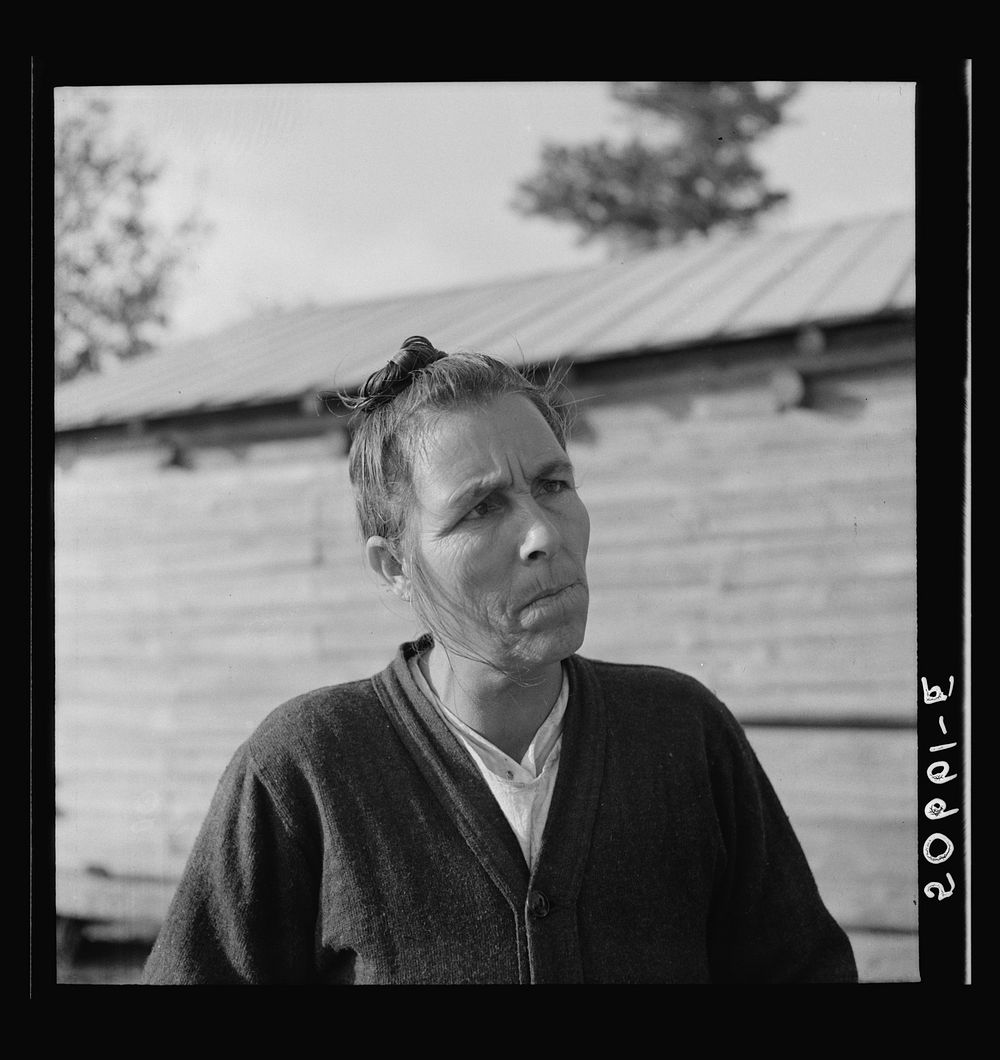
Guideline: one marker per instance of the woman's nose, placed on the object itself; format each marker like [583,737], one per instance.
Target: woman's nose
[540,536]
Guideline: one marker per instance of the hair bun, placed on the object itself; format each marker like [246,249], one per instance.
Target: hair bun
[415,353]
[382,386]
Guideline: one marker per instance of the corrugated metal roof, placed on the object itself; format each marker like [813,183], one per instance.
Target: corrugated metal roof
[721,288]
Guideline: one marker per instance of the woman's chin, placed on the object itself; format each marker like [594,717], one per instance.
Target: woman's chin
[540,636]
[541,647]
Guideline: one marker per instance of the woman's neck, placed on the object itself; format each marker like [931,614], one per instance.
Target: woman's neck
[506,711]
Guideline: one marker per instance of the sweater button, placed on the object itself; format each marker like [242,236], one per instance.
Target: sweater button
[538,904]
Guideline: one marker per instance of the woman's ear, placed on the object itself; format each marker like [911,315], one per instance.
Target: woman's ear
[383,561]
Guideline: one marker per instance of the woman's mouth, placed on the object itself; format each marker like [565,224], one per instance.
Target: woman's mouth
[555,595]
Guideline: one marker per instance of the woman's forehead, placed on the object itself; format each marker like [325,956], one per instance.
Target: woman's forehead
[486,439]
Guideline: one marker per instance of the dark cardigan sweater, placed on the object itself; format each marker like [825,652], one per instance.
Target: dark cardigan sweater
[353,840]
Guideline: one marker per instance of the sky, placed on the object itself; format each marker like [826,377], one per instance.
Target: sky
[347,192]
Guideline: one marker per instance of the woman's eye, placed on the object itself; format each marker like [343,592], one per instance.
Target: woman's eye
[481,510]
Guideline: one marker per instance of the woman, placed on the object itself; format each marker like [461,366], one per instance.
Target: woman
[492,807]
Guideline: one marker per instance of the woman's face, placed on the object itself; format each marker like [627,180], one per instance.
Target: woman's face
[500,536]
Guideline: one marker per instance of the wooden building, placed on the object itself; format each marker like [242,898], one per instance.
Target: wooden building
[745,444]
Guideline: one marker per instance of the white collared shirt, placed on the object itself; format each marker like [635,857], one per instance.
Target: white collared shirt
[522,789]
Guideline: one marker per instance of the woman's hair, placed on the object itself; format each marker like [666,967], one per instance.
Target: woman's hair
[395,408]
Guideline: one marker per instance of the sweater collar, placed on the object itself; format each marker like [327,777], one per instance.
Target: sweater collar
[460,787]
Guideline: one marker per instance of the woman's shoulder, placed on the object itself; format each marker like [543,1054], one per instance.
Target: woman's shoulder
[331,718]
[648,679]
[650,689]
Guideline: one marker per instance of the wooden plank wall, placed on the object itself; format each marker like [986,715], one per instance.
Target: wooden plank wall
[769,552]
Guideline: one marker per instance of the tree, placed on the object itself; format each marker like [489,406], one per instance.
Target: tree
[114,265]
[690,171]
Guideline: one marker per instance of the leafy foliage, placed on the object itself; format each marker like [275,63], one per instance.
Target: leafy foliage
[114,265]
[689,171]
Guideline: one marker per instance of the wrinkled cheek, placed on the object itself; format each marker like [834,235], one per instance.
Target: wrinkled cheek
[582,531]
[434,574]
[468,612]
